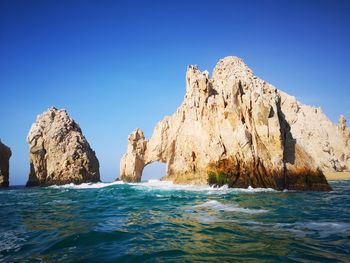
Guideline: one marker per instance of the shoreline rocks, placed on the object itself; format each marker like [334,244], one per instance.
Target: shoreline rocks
[235,128]
[5,154]
[58,151]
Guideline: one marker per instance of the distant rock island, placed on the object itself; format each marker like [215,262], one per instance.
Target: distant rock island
[5,154]
[235,128]
[59,153]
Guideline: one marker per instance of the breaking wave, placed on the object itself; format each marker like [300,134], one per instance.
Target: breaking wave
[86,185]
[169,185]
[166,185]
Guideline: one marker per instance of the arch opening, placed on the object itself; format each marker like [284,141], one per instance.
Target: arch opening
[153,171]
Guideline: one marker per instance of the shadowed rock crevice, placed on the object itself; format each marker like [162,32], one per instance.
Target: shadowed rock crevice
[237,129]
[59,153]
[289,147]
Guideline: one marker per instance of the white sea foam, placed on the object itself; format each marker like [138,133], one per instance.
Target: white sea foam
[254,190]
[154,184]
[216,205]
[169,185]
[86,185]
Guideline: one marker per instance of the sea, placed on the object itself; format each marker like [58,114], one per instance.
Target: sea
[158,221]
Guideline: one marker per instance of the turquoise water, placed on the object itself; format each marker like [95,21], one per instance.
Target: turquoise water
[159,222]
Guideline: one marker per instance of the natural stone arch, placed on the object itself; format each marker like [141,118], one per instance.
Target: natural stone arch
[140,153]
[236,126]
[155,170]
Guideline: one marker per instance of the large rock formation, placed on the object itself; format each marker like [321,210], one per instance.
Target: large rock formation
[237,129]
[59,152]
[5,154]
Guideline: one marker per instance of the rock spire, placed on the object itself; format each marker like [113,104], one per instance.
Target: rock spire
[59,152]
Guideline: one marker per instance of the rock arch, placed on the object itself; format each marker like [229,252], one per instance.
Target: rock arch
[240,130]
[154,171]
[141,153]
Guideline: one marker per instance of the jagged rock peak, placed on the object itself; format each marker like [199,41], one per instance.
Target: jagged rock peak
[5,154]
[58,151]
[136,135]
[231,66]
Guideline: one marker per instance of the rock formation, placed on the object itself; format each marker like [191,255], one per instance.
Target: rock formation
[235,128]
[5,154]
[327,143]
[59,152]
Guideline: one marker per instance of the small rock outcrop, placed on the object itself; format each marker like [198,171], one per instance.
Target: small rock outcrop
[58,152]
[342,123]
[235,128]
[5,154]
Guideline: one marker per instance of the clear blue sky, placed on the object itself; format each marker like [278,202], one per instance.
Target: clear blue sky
[118,65]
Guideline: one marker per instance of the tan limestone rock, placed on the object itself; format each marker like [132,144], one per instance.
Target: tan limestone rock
[59,152]
[324,141]
[230,129]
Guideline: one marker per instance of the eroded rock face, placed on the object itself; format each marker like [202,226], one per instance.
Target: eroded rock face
[59,152]
[237,129]
[5,154]
[327,143]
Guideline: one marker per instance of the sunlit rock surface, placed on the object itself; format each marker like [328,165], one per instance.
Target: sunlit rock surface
[235,128]
[59,152]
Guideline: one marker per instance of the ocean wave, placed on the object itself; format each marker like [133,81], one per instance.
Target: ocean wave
[85,185]
[166,185]
[216,205]
[169,185]
[253,190]
[155,184]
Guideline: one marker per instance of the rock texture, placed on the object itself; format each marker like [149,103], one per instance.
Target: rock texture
[59,152]
[235,128]
[5,154]
[327,143]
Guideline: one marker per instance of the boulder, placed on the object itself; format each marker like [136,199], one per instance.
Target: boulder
[5,154]
[58,151]
[236,129]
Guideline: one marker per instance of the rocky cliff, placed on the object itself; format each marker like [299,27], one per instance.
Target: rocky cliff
[5,154]
[235,128]
[59,152]
[327,143]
